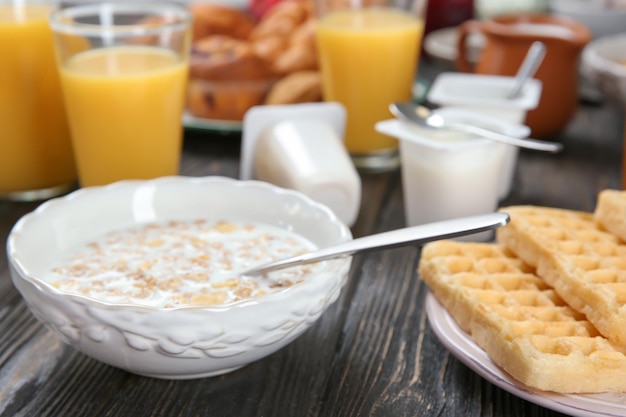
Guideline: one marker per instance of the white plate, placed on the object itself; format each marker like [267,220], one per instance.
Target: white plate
[223,126]
[441,44]
[461,345]
[419,90]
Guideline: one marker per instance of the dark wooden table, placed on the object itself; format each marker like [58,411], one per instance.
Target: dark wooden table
[372,353]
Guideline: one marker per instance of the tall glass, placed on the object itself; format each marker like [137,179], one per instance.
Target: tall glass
[36,159]
[368,52]
[124,71]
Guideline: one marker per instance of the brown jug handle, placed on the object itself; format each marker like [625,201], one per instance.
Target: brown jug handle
[462,62]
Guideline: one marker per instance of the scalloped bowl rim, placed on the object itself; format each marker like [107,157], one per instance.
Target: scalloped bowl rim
[601,64]
[41,210]
[184,342]
[597,55]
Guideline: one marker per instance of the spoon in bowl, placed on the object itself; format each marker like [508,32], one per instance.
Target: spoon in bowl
[424,117]
[415,235]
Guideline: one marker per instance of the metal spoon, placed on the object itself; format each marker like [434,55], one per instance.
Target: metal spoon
[415,235]
[426,118]
[529,66]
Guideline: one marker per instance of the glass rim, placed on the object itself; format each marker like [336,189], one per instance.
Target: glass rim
[63,20]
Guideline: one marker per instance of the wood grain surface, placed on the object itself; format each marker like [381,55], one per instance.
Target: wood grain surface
[371,354]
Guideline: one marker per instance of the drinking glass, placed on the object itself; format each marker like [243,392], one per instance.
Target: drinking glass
[124,70]
[36,160]
[368,53]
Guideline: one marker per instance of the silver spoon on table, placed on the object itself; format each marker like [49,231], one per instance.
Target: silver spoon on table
[424,117]
[415,235]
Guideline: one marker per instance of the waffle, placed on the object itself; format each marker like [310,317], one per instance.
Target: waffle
[585,264]
[522,324]
[611,212]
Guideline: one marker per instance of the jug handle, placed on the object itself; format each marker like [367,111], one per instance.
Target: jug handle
[462,62]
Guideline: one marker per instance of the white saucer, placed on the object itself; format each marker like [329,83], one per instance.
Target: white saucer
[461,345]
[441,44]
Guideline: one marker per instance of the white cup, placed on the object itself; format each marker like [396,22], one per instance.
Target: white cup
[448,174]
[487,94]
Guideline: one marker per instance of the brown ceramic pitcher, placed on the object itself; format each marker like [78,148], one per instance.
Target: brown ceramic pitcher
[507,41]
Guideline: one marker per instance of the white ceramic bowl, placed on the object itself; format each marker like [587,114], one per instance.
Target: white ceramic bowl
[603,62]
[602,17]
[184,342]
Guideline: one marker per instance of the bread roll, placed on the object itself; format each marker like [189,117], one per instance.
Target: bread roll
[220,57]
[281,20]
[299,87]
[212,19]
[224,100]
[270,47]
[296,58]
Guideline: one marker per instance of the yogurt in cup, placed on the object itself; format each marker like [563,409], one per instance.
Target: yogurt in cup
[448,174]
[488,94]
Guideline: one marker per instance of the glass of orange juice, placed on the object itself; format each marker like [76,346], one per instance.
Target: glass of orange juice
[36,160]
[123,71]
[368,53]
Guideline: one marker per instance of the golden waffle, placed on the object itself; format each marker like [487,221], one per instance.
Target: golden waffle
[522,324]
[584,264]
[611,212]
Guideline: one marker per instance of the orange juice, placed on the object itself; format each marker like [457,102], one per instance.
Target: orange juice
[35,146]
[125,105]
[368,59]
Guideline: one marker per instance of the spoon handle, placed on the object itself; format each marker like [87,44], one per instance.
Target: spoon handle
[531,62]
[416,235]
[538,145]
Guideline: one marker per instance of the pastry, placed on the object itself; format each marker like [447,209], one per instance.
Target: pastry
[585,264]
[522,324]
[270,47]
[304,34]
[234,62]
[281,20]
[610,212]
[211,19]
[220,57]
[226,100]
[298,87]
[295,58]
